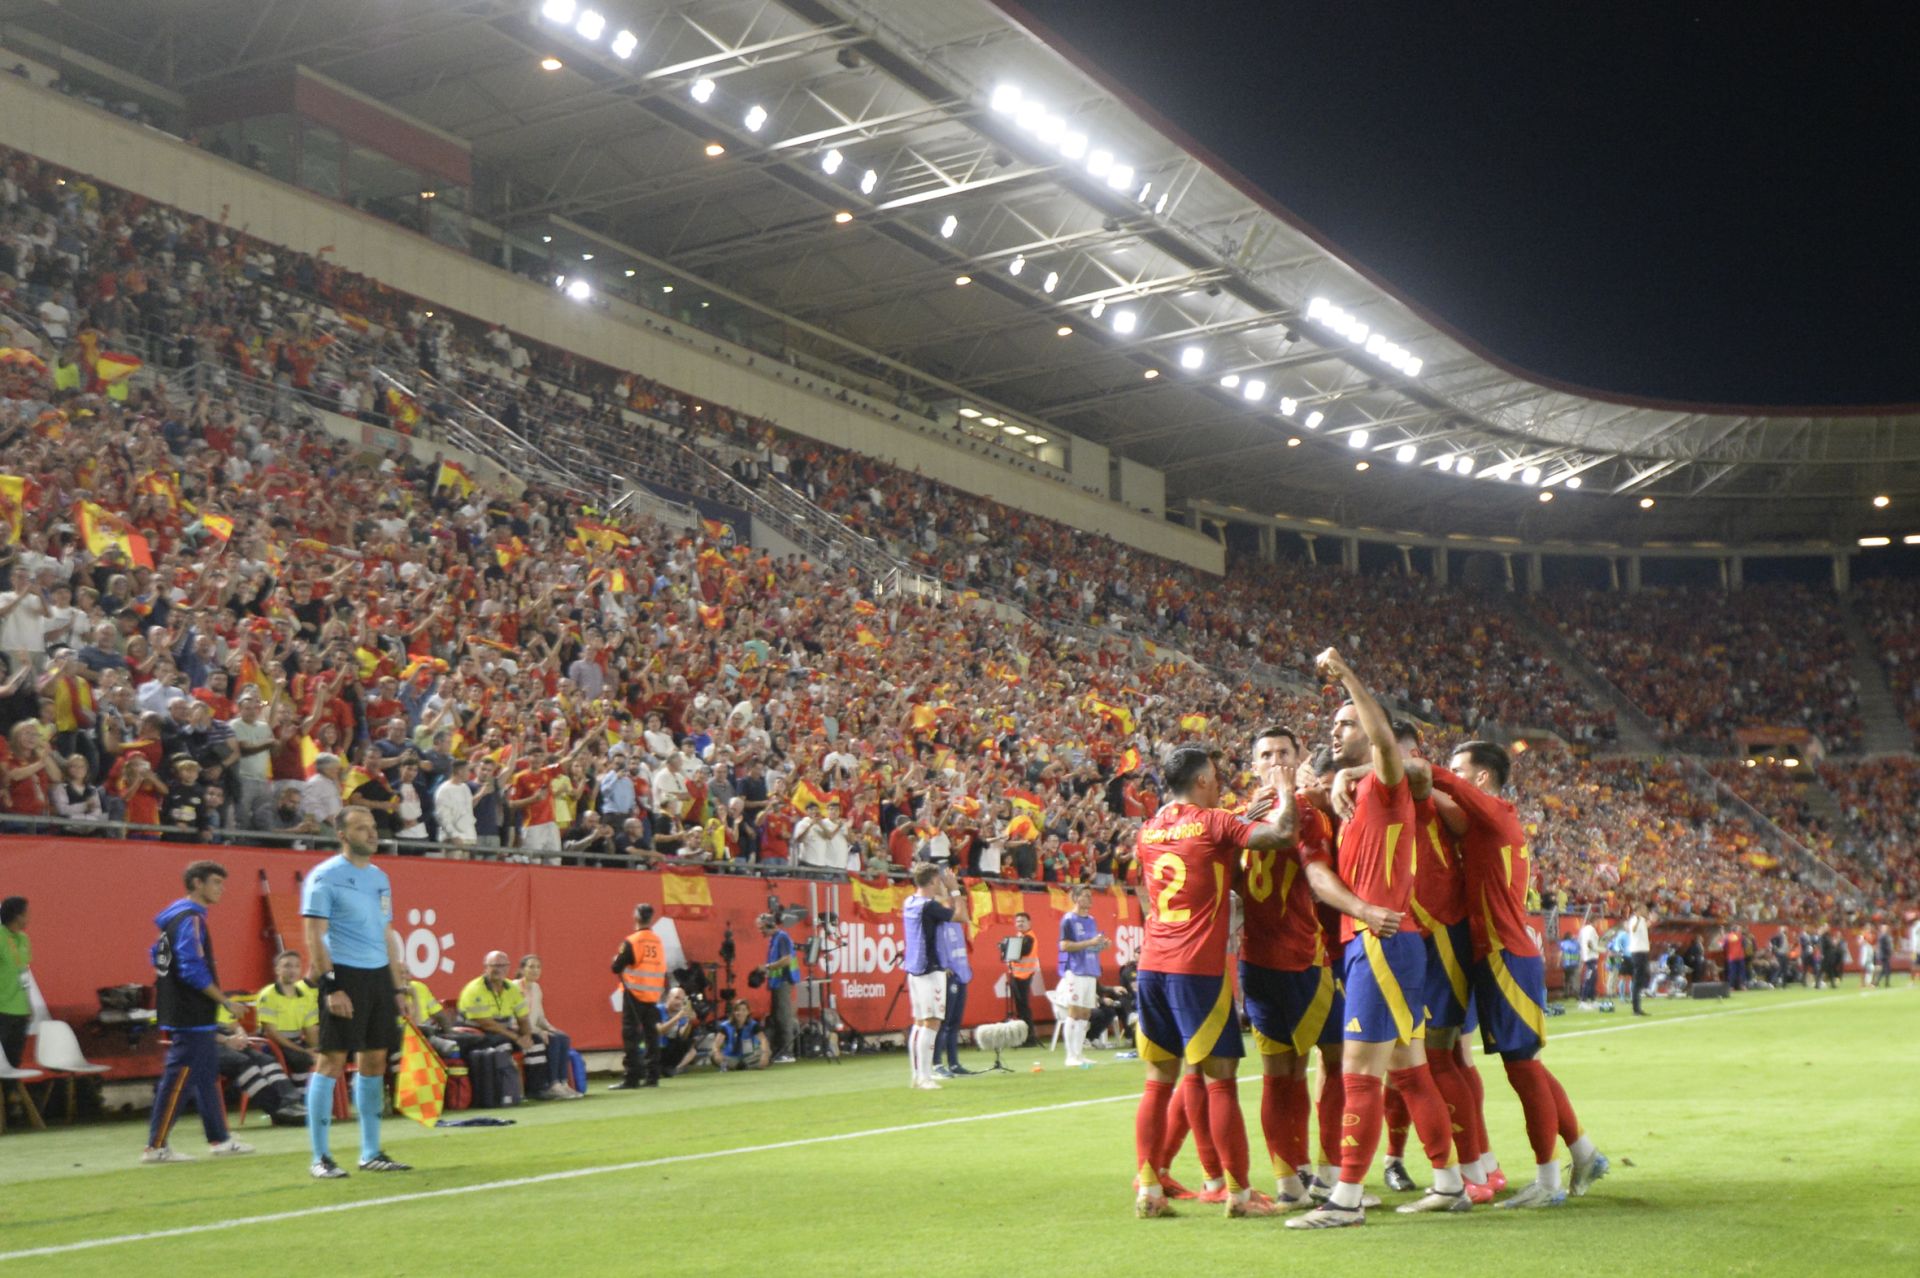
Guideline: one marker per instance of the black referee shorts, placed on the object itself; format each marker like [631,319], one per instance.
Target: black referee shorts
[374,1025]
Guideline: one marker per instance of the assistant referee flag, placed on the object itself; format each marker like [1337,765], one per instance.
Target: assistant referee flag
[420,1088]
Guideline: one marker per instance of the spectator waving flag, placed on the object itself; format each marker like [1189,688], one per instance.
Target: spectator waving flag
[454,476]
[420,1086]
[1022,829]
[1193,723]
[219,525]
[867,639]
[716,530]
[1129,761]
[13,503]
[1119,715]
[402,407]
[712,616]
[102,531]
[115,366]
[805,795]
[1027,801]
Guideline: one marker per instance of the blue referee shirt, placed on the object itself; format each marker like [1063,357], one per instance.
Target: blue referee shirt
[358,907]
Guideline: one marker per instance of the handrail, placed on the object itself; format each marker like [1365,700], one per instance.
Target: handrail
[1825,873]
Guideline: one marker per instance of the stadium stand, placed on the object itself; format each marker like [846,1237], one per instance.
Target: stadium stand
[355,587]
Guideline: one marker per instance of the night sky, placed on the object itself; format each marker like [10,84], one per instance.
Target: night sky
[1676,201]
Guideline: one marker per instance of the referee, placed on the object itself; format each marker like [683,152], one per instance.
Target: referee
[348,904]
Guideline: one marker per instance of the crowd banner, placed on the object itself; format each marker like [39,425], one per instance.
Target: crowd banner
[94,901]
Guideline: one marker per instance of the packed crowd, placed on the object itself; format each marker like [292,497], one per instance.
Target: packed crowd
[1891,609]
[1703,663]
[220,622]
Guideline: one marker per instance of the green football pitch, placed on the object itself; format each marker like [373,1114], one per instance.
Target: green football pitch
[1776,1133]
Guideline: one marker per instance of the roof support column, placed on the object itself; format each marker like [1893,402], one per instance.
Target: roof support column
[1536,573]
[1350,553]
[1633,574]
[1438,556]
[1309,539]
[1269,543]
[1842,573]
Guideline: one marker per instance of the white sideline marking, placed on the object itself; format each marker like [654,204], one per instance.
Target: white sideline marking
[455,1191]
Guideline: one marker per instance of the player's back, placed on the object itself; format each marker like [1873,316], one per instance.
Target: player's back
[1439,881]
[1499,868]
[1281,924]
[1187,855]
[1376,847]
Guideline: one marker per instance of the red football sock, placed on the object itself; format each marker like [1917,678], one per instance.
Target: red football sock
[1477,1091]
[1332,1107]
[1174,1133]
[1359,1126]
[1148,1120]
[1531,1081]
[1194,1088]
[1398,1121]
[1295,1108]
[1428,1111]
[1273,1121]
[1229,1129]
[1569,1121]
[1453,1090]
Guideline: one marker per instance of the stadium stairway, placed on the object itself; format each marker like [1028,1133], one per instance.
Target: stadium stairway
[1886,731]
[1636,733]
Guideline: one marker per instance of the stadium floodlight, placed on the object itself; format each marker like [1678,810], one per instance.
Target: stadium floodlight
[1362,465]
[1882,502]
[624,44]
[1073,145]
[559,281]
[1646,503]
[1018,264]
[1288,405]
[560,11]
[702,90]
[1051,282]
[1315,418]
[962,280]
[969,412]
[756,118]
[1005,99]
[1293,441]
[1015,431]
[1065,330]
[546,239]
[1231,381]
[1145,191]
[868,181]
[1530,476]
[1254,391]
[579,290]
[830,162]
[591,24]
[1036,440]
[629,272]
[843,217]
[1125,321]
[1358,439]
[991,421]
[1463,465]
[1911,539]
[1150,374]
[948,227]
[586,257]
[1573,481]
[1192,357]
[1876,541]
[1098,309]
[1547,495]
[1100,163]
[715,150]
[1405,454]
[1051,128]
[551,64]
[1030,115]
[666,288]
[1121,177]
[1160,205]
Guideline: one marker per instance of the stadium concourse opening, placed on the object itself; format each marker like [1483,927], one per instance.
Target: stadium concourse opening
[466,666]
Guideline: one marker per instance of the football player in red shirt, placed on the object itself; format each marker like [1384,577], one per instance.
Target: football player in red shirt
[1509,979]
[1382,967]
[1190,851]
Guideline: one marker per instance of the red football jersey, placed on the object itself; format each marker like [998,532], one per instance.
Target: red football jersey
[1189,854]
[1280,926]
[535,784]
[1376,848]
[1499,867]
[1439,887]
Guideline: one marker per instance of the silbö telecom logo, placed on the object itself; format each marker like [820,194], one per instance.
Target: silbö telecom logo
[425,949]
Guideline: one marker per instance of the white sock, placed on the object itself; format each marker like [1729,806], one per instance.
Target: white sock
[1390,1160]
[1345,1195]
[1488,1163]
[1076,1038]
[1473,1173]
[913,1051]
[1326,1174]
[1549,1174]
[1446,1180]
[1583,1149]
[929,1039]
[1213,1183]
[1288,1186]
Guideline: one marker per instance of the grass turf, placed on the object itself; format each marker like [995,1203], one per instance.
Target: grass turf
[1773,1134]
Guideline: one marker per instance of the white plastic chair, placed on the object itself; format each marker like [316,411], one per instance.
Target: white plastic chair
[9,1073]
[59,1055]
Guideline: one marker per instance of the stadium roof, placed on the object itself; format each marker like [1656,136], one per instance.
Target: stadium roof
[1000,158]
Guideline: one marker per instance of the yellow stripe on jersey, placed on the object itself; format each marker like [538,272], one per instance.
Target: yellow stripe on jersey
[1389,987]
[1531,1012]
[1207,1037]
[1307,1032]
[1443,946]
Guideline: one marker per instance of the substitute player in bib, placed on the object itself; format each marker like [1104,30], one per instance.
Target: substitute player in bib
[1509,979]
[348,904]
[1382,968]
[1291,992]
[936,900]
[1189,852]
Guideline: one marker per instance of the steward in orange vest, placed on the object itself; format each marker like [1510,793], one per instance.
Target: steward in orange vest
[1022,953]
[641,966]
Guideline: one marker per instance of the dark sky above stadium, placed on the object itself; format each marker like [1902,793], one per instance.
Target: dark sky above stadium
[1672,200]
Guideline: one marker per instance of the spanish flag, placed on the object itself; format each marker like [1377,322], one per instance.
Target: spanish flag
[1022,829]
[805,795]
[219,525]
[13,503]
[160,483]
[1027,801]
[601,536]
[510,552]
[1194,722]
[1058,901]
[1120,715]
[865,607]
[18,357]
[454,476]
[402,407]
[684,892]
[867,639]
[309,751]
[617,581]
[967,805]
[716,530]
[712,616]
[250,673]
[875,901]
[115,366]
[355,778]
[420,1085]
[101,531]
[1130,761]
[436,665]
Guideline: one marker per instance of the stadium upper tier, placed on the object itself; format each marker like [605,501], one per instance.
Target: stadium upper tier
[345,579]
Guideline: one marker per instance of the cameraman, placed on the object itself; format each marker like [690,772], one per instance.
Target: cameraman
[782,973]
[1021,953]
